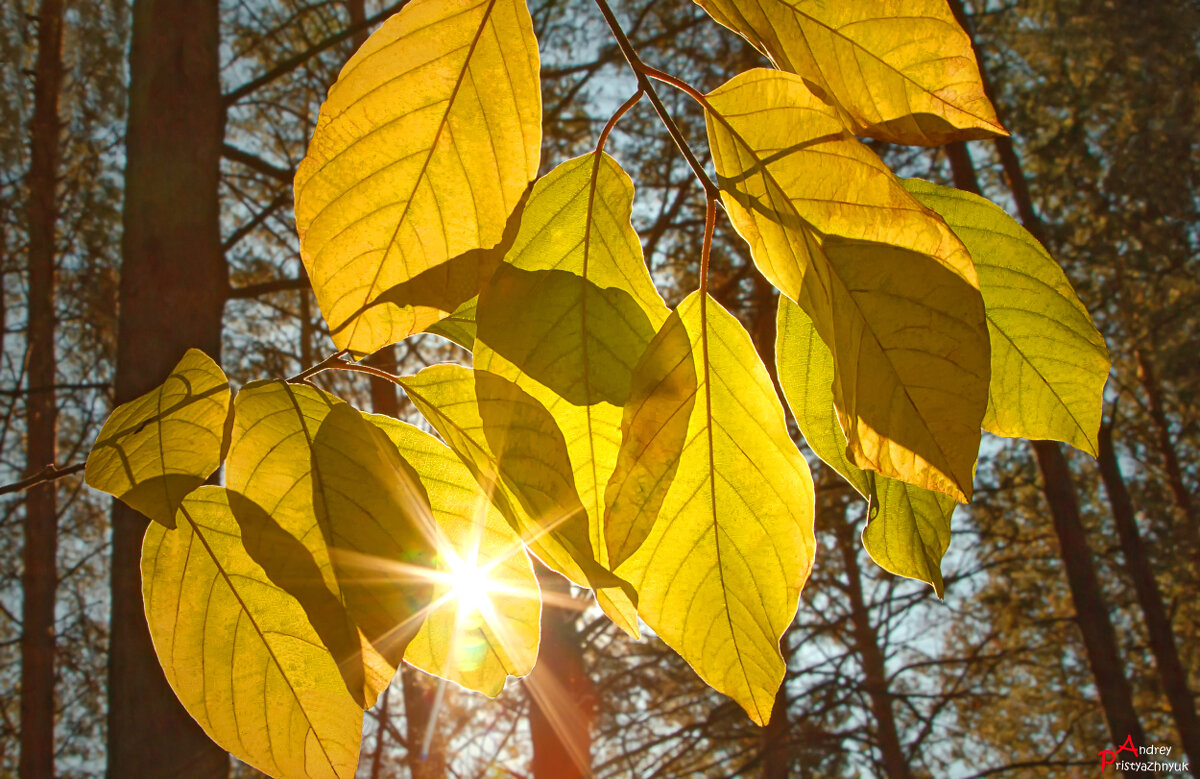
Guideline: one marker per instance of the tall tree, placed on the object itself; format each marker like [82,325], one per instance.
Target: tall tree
[172,290]
[40,576]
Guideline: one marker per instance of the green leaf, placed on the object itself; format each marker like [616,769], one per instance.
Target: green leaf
[485,622]
[908,529]
[460,326]
[890,288]
[380,527]
[519,457]
[238,650]
[568,316]
[1049,363]
[720,573]
[270,463]
[899,72]
[421,153]
[156,449]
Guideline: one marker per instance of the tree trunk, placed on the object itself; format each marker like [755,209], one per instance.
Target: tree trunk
[560,691]
[775,738]
[40,574]
[1166,448]
[1158,624]
[426,751]
[358,18]
[866,640]
[172,291]
[1091,609]
[426,756]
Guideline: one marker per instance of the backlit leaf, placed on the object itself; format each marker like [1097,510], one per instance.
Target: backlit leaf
[479,638]
[381,531]
[890,288]
[720,572]
[238,650]
[908,528]
[568,316]
[1049,362]
[897,71]
[421,153]
[154,450]
[518,456]
[270,462]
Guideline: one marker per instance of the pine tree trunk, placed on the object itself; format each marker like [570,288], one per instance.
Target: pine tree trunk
[40,574]
[172,291]
[1166,448]
[561,694]
[1158,625]
[419,694]
[866,640]
[1091,609]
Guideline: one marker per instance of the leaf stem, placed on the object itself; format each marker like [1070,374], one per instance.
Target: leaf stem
[641,71]
[335,360]
[616,117]
[710,220]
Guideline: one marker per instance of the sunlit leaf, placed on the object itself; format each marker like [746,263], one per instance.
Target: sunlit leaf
[568,316]
[422,151]
[1049,362]
[908,528]
[890,288]
[270,462]
[239,651]
[518,456]
[460,326]
[154,450]
[382,535]
[489,631]
[720,572]
[900,72]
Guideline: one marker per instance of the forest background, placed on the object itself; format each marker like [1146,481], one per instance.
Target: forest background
[1067,592]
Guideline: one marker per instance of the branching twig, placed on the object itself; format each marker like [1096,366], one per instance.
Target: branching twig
[642,71]
[49,473]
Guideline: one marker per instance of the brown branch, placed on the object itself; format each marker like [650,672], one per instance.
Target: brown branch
[291,63]
[255,163]
[49,473]
[265,288]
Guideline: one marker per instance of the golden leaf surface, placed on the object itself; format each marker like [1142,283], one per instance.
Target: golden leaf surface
[422,152]
[238,650]
[890,288]
[898,70]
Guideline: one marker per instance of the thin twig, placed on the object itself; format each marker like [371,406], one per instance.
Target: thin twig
[49,473]
[640,70]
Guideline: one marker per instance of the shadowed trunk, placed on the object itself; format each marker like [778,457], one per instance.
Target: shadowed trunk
[1091,610]
[40,570]
[866,640]
[172,291]
[1166,448]
[562,700]
[1154,613]
[419,693]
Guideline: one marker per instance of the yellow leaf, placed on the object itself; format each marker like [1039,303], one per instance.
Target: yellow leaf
[154,450]
[421,153]
[238,650]
[1049,362]
[382,535]
[908,529]
[485,623]
[519,457]
[720,572]
[270,462]
[890,288]
[897,71]
[568,316]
